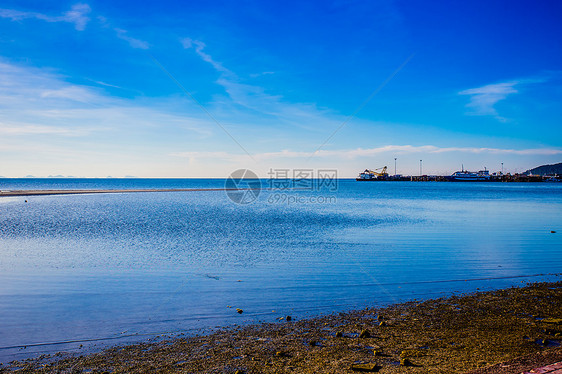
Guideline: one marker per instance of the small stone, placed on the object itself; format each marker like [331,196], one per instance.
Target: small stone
[383,323]
[365,334]
[366,368]
[405,362]
[552,320]
[377,352]
[288,318]
[379,318]
[313,343]
[240,311]
[551,231]
[339,334]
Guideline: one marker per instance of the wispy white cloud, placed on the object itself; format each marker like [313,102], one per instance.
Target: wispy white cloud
[31,129]
[255,75]
[38,102]
[350,154]
[77,15]
[207,154]
[188,43]
[71,93]
[106,84]
[256,101]
[133,42]
[483,99]
[16,15]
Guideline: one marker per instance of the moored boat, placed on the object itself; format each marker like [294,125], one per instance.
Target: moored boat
[373,175]
[471,176]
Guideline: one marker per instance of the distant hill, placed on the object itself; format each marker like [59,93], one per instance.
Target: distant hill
[546,169]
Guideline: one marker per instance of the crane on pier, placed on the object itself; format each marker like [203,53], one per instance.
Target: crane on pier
[373,174]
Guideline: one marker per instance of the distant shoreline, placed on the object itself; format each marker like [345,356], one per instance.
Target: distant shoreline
[102,191]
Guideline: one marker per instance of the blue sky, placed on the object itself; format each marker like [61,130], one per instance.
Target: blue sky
[87,88]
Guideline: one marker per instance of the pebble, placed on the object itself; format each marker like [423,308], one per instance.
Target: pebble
[240,311]
[288,318]
[365,334]
[339,334]
[405,362]
[365,367]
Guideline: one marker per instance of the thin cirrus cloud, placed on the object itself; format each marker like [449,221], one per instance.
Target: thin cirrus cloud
[260,105]
[77,15]
[188,43]
[365,152]
[133,42]
[38,102]
[483,99]
[31,129]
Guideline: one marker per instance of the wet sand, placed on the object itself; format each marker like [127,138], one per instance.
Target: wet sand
[507,331]
[81,192]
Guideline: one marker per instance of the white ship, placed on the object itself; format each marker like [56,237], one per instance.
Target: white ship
[471,176]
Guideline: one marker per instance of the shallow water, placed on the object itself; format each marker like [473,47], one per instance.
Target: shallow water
[127,267]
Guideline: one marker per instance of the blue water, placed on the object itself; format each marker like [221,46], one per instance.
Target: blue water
[116,268]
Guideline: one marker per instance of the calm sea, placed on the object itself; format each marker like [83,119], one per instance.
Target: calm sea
[109,269]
